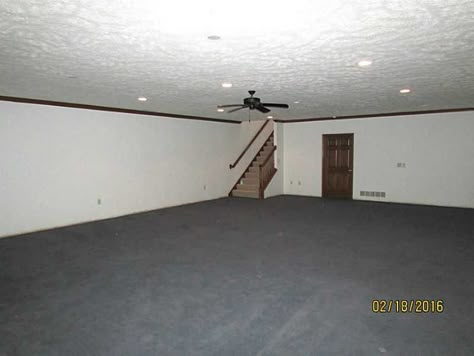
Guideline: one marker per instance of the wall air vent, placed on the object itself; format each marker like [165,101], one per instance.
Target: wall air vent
[364,193]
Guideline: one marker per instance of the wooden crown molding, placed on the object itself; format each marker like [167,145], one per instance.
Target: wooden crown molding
[366,116]
[178,116]
[111,109]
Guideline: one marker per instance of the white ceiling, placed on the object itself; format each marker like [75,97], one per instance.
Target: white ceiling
[108,53]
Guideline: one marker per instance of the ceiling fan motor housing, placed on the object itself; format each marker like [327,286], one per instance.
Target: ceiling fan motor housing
[251,102]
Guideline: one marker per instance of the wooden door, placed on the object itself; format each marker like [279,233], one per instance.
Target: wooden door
[338,153]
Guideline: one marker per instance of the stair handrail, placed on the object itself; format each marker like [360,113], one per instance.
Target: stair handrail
[233,165]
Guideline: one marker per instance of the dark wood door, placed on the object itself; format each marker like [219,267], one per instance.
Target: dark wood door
[338,153]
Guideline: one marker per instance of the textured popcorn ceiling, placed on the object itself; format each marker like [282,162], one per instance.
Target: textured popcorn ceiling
[110,52]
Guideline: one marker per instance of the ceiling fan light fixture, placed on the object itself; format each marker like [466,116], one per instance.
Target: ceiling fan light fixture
[142,98]
[405,91]
[227,85]
[269,117]
[220,110]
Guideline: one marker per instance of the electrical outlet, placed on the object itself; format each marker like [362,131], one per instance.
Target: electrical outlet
[99,201]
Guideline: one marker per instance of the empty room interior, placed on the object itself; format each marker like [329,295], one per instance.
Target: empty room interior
[236,178]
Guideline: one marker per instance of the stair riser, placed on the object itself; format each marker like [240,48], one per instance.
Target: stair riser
[261,159]
[247,187]
[241,194]
[253,181]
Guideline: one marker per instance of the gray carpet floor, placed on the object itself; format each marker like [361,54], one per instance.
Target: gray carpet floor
[283,276]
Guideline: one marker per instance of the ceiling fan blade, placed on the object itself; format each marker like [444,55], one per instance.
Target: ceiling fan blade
[261,108]
[228,106]
[241,107]
[284,106]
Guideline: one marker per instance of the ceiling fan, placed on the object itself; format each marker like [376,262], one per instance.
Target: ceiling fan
[253,103]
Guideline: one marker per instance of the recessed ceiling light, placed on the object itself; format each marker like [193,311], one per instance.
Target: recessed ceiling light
[269,117]
[220,110]
[227,85]
[142,98]
[213,37]
[364,63]
[296,102]
[405,91]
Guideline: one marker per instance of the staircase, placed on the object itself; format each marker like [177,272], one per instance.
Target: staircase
[258,174]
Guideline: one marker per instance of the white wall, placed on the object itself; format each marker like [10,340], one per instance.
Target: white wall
[55,163]
[438,150]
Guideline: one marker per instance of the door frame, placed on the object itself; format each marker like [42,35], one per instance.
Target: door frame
[324,168]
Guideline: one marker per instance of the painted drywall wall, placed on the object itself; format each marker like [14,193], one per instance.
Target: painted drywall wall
[437,150]
[275,187]
[61,166]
